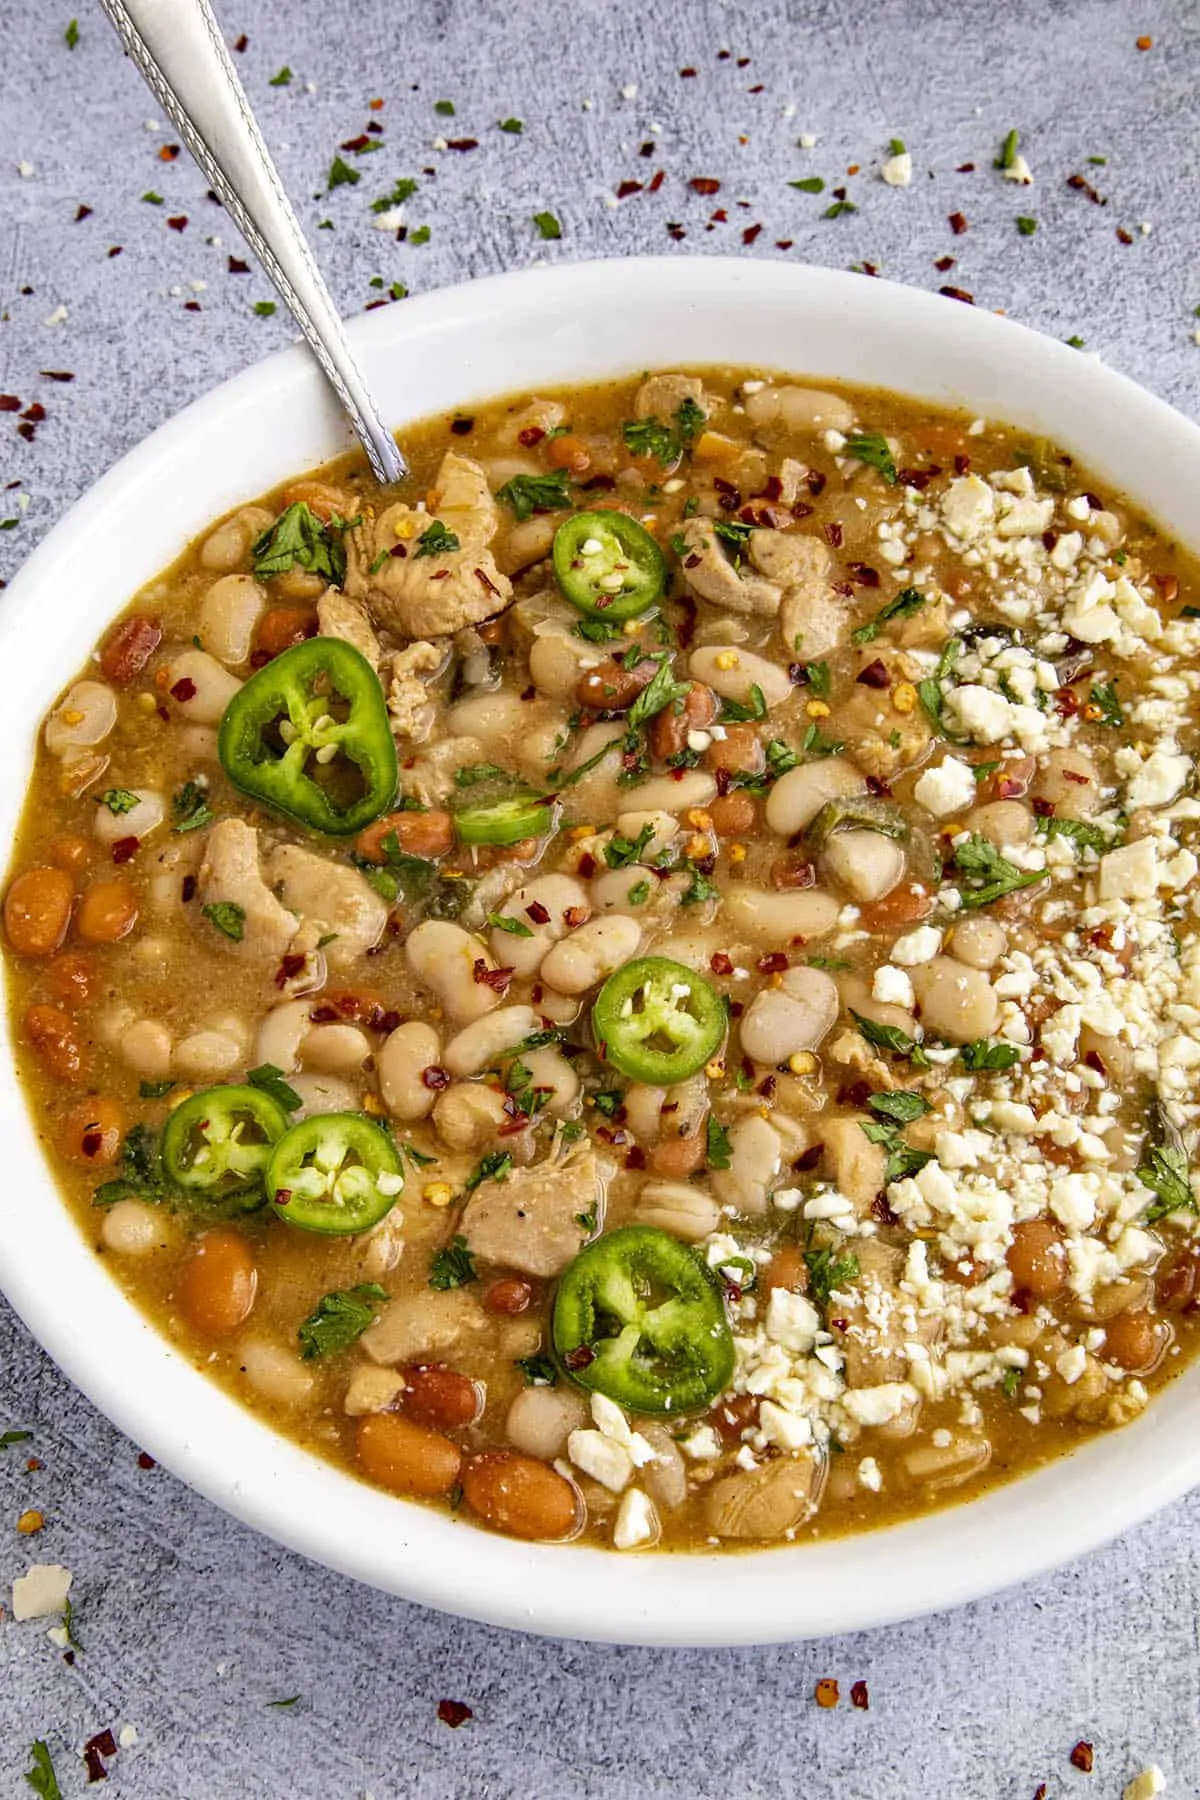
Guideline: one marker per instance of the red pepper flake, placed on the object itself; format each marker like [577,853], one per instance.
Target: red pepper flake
[961,464]
[704,184]
[114,250]
[168,153]
[875,675]
[55,375]
[720,963]
[238,267]
[636,1158]
[860,1697]
[36,412]
[125,849]
[957,223]
[1041,1791]
[145,1461]
[538,913]
[290,966]
[648,148]
[919,479]
[33,1464]
[625,188]
[241,43]
[496,979]
[178,223]
[1082,185]
[773,963]
[956,293]
[188,888]
[462,427]
[675,231]
[92,1140]
[462,144]
[827,1692]
[82,212]
[833,534]
[864,575]
[1145,43]
[581,1358]
[435,1078]
[943,263]
[485,581]
[192,306]
[103,1744]
[1123,236]
[1083,1756]
[750,233]
[656,181]
[965,169]
[454,1712]
[686,74]
[532,434]
[184,689]
[784,243]
[743,62]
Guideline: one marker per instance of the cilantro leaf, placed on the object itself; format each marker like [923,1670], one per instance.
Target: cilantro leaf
[909,600]
[718,1149]
[189,808]
[819,679]
[898,1107]
[339,1320]
[119,801]
[270,1081]
[41,1777]
[154,1090]
[621,851]
[700,888]
[1006,156]
[473,773]
[513,126]
[539,1371]
[453,1266]
[1080,833]
[9,1438]
[436,541]
[735,711]
[1104,698]
[299,538]
[890,1037]
[650,437]
[341,175]
[403,190]
[1164,1170]
[871,447]
[527,494]
[282,79]
[660,692]
[228,917]
[979,860]
[71,34]
[548,226]
[982,1057]
[496,1164]
[689,418]
[828,1273]
[811,184]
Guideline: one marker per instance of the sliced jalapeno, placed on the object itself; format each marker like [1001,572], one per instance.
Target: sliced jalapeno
[657,1021]
[507,821]
[218,1143]
[639,1317]
[852,812]
[608,565]
[309,735]
[334,1173]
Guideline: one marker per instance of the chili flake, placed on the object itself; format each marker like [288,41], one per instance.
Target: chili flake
[1083,1756]
[827,1692]
[859,1696]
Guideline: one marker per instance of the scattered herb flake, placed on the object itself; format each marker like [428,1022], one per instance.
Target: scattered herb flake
[981,1057]
[452,1266]
[228,917]
[282,79]
[265,308]
[513,126]
[41,1777]
[271,1081]
[527,494]
[547,225]
[811,184]
[337,1321]
[718,1149]
[438,540]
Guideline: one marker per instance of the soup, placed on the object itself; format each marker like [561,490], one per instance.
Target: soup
[642,986]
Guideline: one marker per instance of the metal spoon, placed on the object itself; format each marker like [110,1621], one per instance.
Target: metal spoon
[177,46]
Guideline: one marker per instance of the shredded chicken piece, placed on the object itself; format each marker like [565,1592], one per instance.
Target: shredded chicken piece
[661,396]
[409,704]
[341,617]
[424,596]
[872,1321]
[812,617]
[428,1323]
[767,1501]
[347,908]
[792,477]
[710,574]
[230,874]
[431,777]
[530,1220]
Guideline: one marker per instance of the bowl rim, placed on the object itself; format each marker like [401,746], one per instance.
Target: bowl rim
[240,1462]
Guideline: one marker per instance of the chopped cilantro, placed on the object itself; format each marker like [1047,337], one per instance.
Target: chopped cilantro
[1026,226]
[608,1102]
[527,494]
[445,108]
[539,1371]
[1164,1170]
[283,1704]
[1081,834]
[421,235]
[980,861]
[598,631]
[119,801]
[1006,156]
[41,1777]
[497,1163]
[514,927]
[897,147]
[909,600]
[271,1081]
[718,1149]
[700,888]
[815,745]
[71,34]
[638,894]
[818,679]
[154,1090]
[473,773]
[811,184]
[228,917]
[660,692]
[828,1273]
[151,198]
[650,437]
[513,126]
[547,225]
[689,418]
[264,308]
[834,964]
[283,79]
[899,1107]
[341,175]
[1075,342]
[984,1058]
[338,1320]
[452,1266]
[735,710]
[620,851]
[1103,697]
[838,208]
[403,190]
[436,541]
[299,538]
[1010,1382]
[871,447]
[190,809]
[9,1438]
[890,1037]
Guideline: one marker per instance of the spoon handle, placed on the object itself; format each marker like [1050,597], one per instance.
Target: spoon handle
[177,46]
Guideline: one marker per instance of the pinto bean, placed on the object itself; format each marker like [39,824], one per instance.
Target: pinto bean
[1037,1259]
[428,835]
[733,815]
[441,1397]
[1135,1339]
[612,688]
[91,1131]
[903,906]
[53,1035]
[127,650]
[107,911]
[70,980]
[217,1284]
[1177,1278]
[520,1496]
[37,911]
[679,1153]
[739,752]
[668,733]
[406,1457]
[786,1269]
[508,1296]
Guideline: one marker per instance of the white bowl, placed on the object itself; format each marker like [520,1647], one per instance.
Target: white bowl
[446,350]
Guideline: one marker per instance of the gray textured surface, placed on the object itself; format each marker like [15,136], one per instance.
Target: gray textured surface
[191,1624]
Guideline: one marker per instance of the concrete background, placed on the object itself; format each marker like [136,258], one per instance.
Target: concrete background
[190,1624]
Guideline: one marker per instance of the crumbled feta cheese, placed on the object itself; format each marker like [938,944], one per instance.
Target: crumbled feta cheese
[127,1737]
[948,788]
[1159,779]
[892,986]
[1131,872]
[702,1445]
[598,1456]
[41,1591]
[792,1321]
[870,1475]
[1071,1364]
[784,1429]
[636,1522]
[968,507]
[897,170]
[1018,170]
[879,1405]
[979,712]
[918,946]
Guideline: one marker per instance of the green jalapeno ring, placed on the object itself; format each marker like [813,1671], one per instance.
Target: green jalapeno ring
[640,1318]
[283,722]
[608,565]
[335,1173]
[218,1143]
[507,821]
[678,1025]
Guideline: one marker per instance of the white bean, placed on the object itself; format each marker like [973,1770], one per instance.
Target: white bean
[664,830]
[400,1065]
[541,1419]
[323,1094]
[468,1115]
[664,1479]
[138,822]
[733,673]
[979,941]
[443,957]
[1002,822]
[554,894]
[84,716]
[206,1055]
[497,719]
[957,1002]
[798,796]
[866,863]
[780,918]
[335,1049]
[795,1016]
[550,1070]
[557,659]
[1068,780]
[675,1206]
[146,1049]
[527,542]
[198,743]
[592,953]
[482,1044]
[205,688]
[560,1009]
[132,1228]
[611,891]
[799,409]
[274,1372]
[281,1033]
[756,1159]
[229,612]
[663,793]
[230,544]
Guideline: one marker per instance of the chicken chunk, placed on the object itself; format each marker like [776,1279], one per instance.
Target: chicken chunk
[427,1323]
[530,1220]
[661,396]
[230,874]
[331,895]
[881,739]
[874,1321]
[710,574]
[812,617]
[410,706]
[767,1501]
[431,595]
[340,617]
